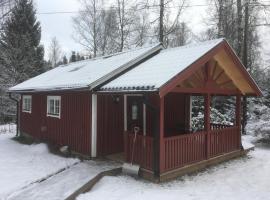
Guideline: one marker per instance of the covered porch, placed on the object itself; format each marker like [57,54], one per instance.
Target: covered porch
[157,103]
[170,142]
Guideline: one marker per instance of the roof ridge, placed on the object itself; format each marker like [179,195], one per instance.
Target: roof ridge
[196,44]
[110,55]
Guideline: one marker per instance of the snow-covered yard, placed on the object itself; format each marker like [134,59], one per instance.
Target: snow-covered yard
[246,178]
[21,165]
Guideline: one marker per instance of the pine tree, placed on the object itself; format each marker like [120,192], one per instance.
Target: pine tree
[72,57]
[65,60]
[78,57]
[20,51]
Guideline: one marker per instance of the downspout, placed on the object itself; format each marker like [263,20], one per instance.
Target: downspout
[156,136]
[17,113]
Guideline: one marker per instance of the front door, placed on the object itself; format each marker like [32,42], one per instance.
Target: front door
[135,113]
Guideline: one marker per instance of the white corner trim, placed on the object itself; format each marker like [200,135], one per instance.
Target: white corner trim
[94,127]
[125,112]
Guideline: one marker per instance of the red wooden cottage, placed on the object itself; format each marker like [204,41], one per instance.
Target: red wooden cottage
[93,105]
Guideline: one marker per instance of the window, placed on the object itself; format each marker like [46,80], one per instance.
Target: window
[134,108]
[54,106]
[27,103]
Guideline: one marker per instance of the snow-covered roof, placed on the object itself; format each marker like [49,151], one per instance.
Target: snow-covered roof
[158,70]
[86,74]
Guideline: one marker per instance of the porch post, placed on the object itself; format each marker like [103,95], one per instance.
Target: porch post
[238,115]
[94,127]
[207,102]
[161,137]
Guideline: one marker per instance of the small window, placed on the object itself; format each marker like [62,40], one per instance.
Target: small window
[54,106]
[27,103]
[134,108]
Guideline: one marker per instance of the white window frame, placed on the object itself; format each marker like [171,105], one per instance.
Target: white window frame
[54,98]
[27,97]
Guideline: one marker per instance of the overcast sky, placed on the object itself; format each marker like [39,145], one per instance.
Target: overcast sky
[60,25]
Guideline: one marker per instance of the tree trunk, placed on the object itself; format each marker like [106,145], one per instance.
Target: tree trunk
[245,59]
[95,29]
[161,18]
[239,28]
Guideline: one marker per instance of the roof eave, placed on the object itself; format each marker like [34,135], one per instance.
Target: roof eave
[49,90]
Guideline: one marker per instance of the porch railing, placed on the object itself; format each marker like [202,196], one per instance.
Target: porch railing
[224,140]
[219,126]
[183,149]
[143,150]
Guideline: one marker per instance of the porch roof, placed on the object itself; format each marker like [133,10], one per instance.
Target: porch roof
[164,69]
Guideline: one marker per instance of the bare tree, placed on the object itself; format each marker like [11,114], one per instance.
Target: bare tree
[167,25]
[55,52]
[141,29]
[126,14]
[5,9]
[180,36]
[86,25]
[108,32]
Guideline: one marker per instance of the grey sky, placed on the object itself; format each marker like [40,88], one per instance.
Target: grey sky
[58,25]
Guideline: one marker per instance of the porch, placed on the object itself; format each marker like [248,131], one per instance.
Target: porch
[184,149]
[171,143]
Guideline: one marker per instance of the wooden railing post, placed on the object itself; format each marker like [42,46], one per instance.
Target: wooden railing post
[238,114]
[207,102]
[161,137]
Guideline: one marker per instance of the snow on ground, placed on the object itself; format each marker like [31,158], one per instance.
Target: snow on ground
[21,165]
[65,183]
[245,178]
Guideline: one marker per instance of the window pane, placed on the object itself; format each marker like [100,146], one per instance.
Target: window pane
[57,107]
[134,112]
[51,106]
[26,104]
[54,105]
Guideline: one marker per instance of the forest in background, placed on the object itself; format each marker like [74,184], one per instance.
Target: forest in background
[127,24]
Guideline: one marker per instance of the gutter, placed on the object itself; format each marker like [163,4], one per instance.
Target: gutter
[17,113]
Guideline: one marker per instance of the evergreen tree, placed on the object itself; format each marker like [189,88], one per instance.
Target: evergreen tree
[65,60]
[20,51]
[73,57]
[78,57]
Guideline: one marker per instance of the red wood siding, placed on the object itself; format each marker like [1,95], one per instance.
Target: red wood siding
[154,100]
[176,114]
[72,129]
[110,124]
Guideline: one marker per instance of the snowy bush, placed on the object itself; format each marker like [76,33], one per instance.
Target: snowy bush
[218,115]
[215,116]
[259,118]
